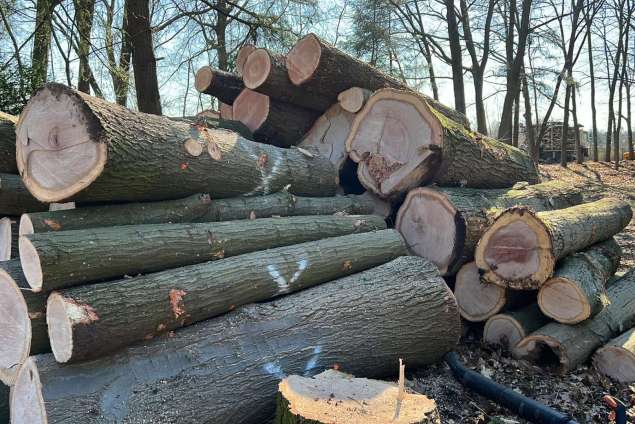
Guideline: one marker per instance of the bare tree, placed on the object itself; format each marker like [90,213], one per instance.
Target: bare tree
[42,38]
[84,11]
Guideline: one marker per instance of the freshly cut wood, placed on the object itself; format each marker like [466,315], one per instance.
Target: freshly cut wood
[198,208]
[445,224]
[328,135]
[62,259]
[241,57]
[577,290]
[8,241]
[520,249]
[479,300]
[353,99]
[226,112]
[266,73]
[15,198]
[225,86]
[22,321]
[271,121]
[61,206]
[404,308]
[334,397]
[509,328]
[400,142]
[93,150]
[568,346]
[617,358]
[7,143]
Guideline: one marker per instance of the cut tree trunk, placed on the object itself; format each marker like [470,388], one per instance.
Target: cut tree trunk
[577,290]
[7,143]
[617,358]
[62,259]
[509,328]
[568,346]
[401,142]
[131,156]
[8,238]
[271,121]
[353,99]
[241,57]
[328,135]
[404,308]
[197,208]
[225,86]
[479,300]
[226,111]
[22,321]
[445,224]
[333,397]
[15,199]
[92,321]
[266,73]
[520,249]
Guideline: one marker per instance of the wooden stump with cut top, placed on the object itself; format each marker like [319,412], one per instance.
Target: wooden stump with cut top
[616,359]
[508,328]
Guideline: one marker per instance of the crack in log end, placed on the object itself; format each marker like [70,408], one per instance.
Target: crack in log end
[176,302]
[379,169]
[262,160]
[52,224]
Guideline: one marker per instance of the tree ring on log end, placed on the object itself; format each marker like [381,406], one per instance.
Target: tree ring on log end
[5,239]
[27,402]
[477,300]
[431,226]
[257,68]
[26,225]
[59,145]
[203,78]
[60,327]
[242,56]
[503,330]
[516,251]
[31,266]
[615,362]
[563,301]
[251,108]
[542,350]
[304,59]
[15,328]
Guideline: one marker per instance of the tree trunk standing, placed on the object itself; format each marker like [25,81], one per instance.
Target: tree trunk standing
[84,11]
[15,199]
[143,60]
[617,358]
[564,139]
[7,143]
[516,132]
[532,144]
[456,53]
[220,29]
[617,156]
[42,39]
[119,72]
[594,135]
[579,157]
[612,86]
[405,308]
[629,121]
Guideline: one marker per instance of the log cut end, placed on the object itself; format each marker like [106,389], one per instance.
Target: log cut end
[15,337]
[396,140]
[477,299]
[203,78]
[338,398]
[543,350]
[27,402]
[226,112]
[60,315]
[516,251]
[58,143]
[616,362]
[431,226]
[304,59]
[257,68]
[5,239]
[26,225]
[503,330]
[564,301]
[251,108]
[31,266]
[353,99]
[242,56]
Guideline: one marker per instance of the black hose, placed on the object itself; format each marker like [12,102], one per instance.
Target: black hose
[523,406]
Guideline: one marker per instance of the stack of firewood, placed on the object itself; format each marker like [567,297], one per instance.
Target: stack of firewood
[166,295]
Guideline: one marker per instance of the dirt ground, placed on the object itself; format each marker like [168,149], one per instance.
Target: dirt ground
[579,393]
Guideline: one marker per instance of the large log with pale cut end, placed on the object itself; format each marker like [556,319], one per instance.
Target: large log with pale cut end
[400,142]
[617,358]
[404,308]
[22,321]
[241,57]
[266,73]
[225,86]
[91,321]
[329,133]
[509,328]
[520,249]
[271,121]
[577,290]
[333,397]
[97,254]
[92,150]
[15,198]
[353,99]
[479,300]
[445,224]
[7,143]
[568,346]
[8,238]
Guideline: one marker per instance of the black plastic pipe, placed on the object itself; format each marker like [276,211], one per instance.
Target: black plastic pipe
[523,406]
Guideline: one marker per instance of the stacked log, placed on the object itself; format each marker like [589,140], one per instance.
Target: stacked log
[509,328]
[225,86]
[616,359]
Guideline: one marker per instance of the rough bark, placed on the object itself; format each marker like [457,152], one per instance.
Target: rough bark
[225,86]
[568,346]
[577,290]
[419,144]
[271,121]
[84,12]
[520,249]
[130,156]
[616,359]
[353,99]
[7,143]
[67,258]
[445,224]
[404,307]
[335,397]
[23,318]
[509,328]
[15,199]
[42,39]
[456,52]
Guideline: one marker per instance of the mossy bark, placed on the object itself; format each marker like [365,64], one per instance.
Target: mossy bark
[7,143]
